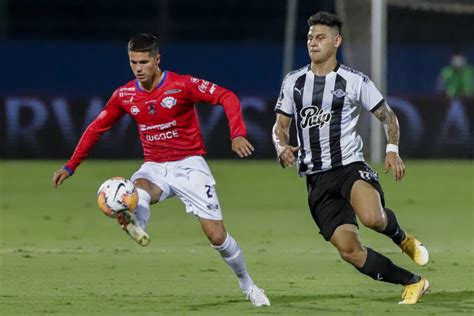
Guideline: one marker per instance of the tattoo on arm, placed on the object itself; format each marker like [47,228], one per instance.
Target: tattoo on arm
[390,123]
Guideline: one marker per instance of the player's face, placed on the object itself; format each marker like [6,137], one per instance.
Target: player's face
[322,43]
[144,65]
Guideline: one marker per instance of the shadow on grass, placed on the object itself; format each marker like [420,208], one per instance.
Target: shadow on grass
[284,301]
[455,302]
[460,301]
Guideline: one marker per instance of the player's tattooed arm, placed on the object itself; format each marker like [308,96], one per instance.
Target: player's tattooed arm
[281,137]
[389,120]
[390,123]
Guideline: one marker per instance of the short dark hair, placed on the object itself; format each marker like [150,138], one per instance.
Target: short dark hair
[326,18]
[144,42]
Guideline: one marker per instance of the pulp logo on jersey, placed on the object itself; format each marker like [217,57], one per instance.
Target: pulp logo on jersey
[160,127]
[195,80]
[134,110]
[312,116]
[173,91]
[339,93]
[162,136]
[168,102]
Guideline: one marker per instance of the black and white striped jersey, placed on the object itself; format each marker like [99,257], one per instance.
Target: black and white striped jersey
[326,110]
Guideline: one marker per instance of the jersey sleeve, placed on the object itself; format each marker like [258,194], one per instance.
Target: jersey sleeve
[285,104]
[200,90]
[103,122]
[369,96]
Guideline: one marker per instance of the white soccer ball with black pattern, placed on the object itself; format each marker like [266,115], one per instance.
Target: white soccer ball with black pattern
[116,195]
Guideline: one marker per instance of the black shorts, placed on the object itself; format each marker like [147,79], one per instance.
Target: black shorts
[329,195]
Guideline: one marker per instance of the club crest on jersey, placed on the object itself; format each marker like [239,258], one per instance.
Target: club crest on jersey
[152,108]
[168,102]
[339,93]
[134,110]
[312,116]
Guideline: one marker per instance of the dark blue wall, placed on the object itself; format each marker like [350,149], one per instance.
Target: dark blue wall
[97,68]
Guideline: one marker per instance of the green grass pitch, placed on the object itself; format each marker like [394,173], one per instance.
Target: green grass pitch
[59,255]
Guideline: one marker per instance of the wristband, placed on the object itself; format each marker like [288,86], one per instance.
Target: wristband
[68,170]
[392,148]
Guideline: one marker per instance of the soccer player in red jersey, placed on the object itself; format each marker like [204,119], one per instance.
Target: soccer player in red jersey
[162,102]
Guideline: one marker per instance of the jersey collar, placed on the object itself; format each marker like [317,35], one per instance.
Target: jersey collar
[159,84]
[334,70]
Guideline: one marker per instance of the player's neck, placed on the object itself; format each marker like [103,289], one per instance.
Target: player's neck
[149,85]
[324,68]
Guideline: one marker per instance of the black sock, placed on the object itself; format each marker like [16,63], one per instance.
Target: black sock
[380,268]
[393,230]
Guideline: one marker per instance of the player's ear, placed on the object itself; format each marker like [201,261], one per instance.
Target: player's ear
[338,40]
[158,58]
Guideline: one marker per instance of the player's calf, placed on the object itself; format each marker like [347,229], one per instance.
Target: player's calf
[393,229]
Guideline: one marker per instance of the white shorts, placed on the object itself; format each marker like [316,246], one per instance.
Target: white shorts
[190,179]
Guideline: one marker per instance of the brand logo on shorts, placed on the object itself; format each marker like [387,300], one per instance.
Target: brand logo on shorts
[369,175]
[213,207]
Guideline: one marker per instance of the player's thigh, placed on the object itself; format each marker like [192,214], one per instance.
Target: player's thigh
[151,178]
[194,185]
[366,202]
[328,208]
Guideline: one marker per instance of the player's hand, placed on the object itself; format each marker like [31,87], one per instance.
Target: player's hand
[242,147]
[395,163]
[287,156]
[59,177]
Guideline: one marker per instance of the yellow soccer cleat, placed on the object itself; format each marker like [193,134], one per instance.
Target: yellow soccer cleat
[415,250]
[415,291]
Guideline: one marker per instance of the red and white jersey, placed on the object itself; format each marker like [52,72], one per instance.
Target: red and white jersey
[166,118]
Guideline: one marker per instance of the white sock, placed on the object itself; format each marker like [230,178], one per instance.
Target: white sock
[230,252]
[142,212]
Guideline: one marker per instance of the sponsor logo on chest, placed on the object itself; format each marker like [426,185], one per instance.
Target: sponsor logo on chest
[312,116]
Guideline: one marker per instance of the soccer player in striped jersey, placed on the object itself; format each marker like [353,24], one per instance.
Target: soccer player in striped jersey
[325,99]
[162,103]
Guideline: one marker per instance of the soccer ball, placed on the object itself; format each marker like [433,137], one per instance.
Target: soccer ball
[116,195]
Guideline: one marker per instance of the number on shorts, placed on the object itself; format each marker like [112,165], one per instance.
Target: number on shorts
[208,192]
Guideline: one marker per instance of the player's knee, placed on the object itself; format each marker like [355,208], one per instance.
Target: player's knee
[374,221]
[152,189]
[353,256]
[217,238]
